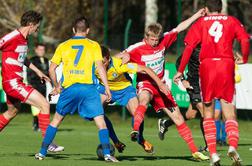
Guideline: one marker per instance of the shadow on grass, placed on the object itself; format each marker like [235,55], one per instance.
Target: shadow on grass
[68,130]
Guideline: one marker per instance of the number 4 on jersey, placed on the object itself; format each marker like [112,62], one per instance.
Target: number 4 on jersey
[216,31]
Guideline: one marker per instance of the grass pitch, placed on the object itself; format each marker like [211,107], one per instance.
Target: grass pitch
[18,144]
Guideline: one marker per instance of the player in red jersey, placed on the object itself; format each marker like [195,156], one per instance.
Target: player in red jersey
[216,33]
[150,52]
[14,50]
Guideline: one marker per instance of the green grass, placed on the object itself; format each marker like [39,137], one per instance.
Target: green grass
[18,144]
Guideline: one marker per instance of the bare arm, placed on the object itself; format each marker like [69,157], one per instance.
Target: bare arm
[41,75]
[163,88]
[124,56]
[53,76]
[185,24]
[103,75]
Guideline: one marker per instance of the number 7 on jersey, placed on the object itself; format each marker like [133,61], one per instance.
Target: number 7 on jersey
[80,49]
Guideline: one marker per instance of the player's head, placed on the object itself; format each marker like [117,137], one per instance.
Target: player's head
[214,5]
[81,25]
[152,34]
[105,56]
[31,19]
[40,49]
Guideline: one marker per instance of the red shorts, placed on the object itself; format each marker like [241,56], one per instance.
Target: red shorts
[16,91]
[217,79]
[159,99]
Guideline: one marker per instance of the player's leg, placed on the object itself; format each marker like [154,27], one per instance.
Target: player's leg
[144,98]
[35,112]
[232,130]
[37,100]
[8,115]
[223,132]
[217,118]
[49,136]
[184,131]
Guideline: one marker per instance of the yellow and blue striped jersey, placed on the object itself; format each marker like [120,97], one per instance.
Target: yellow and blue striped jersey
[117,74]
[78,56]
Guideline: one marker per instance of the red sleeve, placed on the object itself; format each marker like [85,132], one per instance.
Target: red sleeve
[192,39]
[169,37]
[243,38]
[2,42]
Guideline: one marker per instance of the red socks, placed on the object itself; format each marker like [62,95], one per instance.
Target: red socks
[186,134]
[210,134]
[232,133]
[3,122]
[139,116]
[44,121]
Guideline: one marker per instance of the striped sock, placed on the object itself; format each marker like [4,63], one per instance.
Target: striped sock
[139,117]
[49,136]
[44,121]
[104,140]
[210,134]
[186,134]
[232,132]
[3,122]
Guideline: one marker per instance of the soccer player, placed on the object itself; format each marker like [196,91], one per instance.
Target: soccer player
[42,63]
[191,83]
[215,33]
[124,93]
[14,51]
[79,56]
[150,52]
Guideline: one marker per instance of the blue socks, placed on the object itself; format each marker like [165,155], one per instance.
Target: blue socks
[49,136]
[111,130]
[104,139]
[218,129]
[223,132]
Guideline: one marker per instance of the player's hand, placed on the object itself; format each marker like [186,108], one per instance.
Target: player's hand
[56,90]
[186,84]
[164,88]
[238,58]
[177,77]
[43,78]
[125,58]
[200,13]
[108,94]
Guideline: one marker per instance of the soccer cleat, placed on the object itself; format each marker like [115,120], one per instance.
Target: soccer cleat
[55,148]
[39,156]
[200,156]
[161,129]
[234,156]
[215,160]
[134,135]
[110,158]
[148,147]
[120,146]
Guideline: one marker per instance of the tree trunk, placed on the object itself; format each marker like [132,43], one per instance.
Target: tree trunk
[151,12]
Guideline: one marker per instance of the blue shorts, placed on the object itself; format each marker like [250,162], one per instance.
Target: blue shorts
[82,97]
[217,105]
[121,97]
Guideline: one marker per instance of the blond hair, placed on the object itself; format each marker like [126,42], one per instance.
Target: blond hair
[154,29]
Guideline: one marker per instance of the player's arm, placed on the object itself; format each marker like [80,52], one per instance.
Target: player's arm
[103,75]
[185,24]
[53,76]
[163,88]
[41,75]
[124,56]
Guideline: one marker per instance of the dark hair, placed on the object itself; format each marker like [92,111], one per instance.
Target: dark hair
[105,52]
[30,17]
[214,5]
[81,24]
[40,44]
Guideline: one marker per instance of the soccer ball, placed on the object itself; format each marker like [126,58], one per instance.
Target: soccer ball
[100,153]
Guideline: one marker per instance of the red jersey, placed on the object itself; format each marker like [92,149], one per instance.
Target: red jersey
[152,57]
[216,33]
[14,50]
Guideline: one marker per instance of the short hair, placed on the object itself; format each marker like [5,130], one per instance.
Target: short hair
[81,24]
[30,17]
[40,44]
[214,5]
[105,52]
[154,29]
